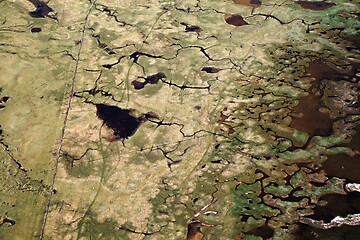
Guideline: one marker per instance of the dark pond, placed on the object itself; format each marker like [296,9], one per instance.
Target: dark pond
[35,30]
[251,3]
[42,9]
[343,166]
[319,70]
[121,121]
[192,28]
[152,79]
[211,69]
[235,20]
[337,205]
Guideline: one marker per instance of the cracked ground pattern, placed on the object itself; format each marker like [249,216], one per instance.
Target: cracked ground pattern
[169,119]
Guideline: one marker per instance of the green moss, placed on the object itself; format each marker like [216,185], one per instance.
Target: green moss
[246,201]
[151,90]
[350,25]
[108,229]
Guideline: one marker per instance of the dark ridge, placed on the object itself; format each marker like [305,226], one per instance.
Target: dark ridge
[121,121]
[265,232]
[211,69]
[251,3]
[35,30]
[235,20]
[42,9]
[316,6]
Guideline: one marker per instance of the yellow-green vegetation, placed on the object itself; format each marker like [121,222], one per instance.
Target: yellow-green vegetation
[136,119]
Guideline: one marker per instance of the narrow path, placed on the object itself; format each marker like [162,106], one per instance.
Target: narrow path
[61,140]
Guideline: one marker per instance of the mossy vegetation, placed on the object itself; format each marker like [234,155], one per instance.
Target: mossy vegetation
[224,137]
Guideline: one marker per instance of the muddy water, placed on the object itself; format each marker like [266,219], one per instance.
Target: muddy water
[343,165]
[319,70]
[265,232]
[311,120]
[315,122]
[307,117]
[194,231]
[343,233]
[338,205]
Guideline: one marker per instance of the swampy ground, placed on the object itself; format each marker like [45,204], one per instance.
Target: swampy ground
[169,119]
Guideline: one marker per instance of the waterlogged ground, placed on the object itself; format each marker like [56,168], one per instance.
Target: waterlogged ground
[169,119]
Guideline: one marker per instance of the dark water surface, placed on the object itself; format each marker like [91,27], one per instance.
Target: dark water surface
[121,121]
